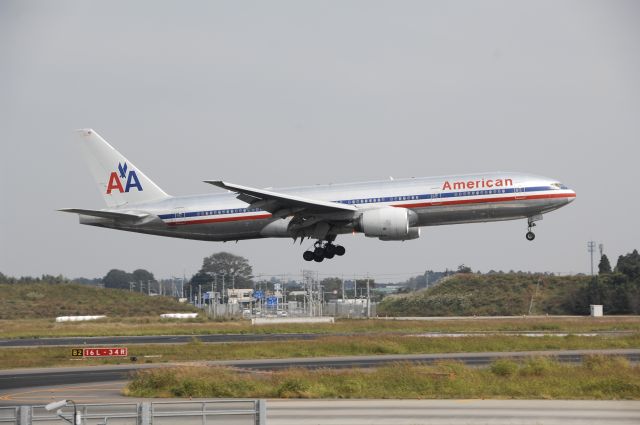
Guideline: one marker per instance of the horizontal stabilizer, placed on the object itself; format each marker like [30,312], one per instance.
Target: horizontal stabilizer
[107,214]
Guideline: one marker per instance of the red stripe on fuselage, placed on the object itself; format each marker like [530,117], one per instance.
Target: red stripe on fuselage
[220,220]
[420,205]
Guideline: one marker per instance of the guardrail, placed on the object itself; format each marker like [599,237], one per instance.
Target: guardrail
[9,415]
[202,412]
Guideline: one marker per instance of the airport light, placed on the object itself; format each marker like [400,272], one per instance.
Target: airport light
[55,405]
[59,405]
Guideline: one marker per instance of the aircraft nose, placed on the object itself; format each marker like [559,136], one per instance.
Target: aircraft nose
[572,196]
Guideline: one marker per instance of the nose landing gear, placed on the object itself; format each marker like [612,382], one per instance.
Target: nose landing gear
[531,224]
[323,250]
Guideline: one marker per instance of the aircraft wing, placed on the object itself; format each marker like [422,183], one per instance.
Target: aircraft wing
[279,203]
[106,214]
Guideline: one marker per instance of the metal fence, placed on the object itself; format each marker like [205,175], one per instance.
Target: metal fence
[351,309]
[234,412]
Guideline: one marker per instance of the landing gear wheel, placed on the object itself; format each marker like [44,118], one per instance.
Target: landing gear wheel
[323,249]
[530,236]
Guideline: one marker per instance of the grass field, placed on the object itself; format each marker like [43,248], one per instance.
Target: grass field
[324,346]
[537,378]
[468,294]
[126,326]
[44,300]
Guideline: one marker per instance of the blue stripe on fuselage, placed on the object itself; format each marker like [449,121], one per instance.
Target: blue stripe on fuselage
[374,200]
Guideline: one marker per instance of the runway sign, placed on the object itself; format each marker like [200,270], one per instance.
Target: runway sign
[99,352]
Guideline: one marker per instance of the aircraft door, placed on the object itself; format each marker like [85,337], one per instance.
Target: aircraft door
[179,212]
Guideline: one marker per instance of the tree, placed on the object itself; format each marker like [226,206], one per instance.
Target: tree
[117,279]
[333,285]
[464,269]
[142,275]
[236,270]
[629,265]
[604,266]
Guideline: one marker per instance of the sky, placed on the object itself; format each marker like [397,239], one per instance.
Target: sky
[288,93]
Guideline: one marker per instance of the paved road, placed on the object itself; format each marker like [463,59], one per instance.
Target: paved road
[25,378]
[418,412]
[397,412]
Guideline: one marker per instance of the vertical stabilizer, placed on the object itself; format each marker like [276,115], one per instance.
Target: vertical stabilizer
[119,181]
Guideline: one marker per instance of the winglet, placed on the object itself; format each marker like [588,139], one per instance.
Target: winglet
[218,183]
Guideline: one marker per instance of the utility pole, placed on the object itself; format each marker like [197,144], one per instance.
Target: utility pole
[342,282]
[200,295]
[355,288]
[591,247]
[211,298]
[304,298]
[368,299]
[226,310]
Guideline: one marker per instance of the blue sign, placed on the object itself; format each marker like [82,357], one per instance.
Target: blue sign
[272,301]
[258,294]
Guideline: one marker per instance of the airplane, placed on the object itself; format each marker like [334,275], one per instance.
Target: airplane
[390,210]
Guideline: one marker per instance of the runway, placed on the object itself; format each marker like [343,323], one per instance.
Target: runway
[153,339]
[26,378]
[224,338]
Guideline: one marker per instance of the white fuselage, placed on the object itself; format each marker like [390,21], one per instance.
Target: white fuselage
[435,201]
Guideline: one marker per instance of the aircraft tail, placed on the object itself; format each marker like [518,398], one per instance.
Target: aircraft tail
[119,181]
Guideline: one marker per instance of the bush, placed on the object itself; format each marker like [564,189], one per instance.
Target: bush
[292,388]
[537,366]
[504,367]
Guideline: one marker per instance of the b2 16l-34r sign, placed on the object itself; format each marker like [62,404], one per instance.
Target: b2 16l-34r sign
[100,352]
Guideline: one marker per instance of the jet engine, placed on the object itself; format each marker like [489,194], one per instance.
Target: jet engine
[389,224]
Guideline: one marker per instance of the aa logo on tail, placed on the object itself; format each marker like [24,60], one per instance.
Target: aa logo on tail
[130,180]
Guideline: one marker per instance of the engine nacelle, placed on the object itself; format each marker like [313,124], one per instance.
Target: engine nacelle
[414,233]
[389,224]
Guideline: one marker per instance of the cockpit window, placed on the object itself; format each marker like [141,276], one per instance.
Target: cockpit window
[558,186]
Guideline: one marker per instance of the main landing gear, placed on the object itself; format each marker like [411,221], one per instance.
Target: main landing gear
[530,235]
[321,251]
